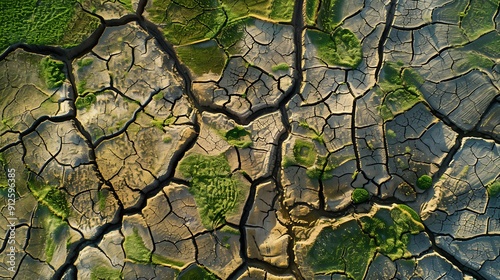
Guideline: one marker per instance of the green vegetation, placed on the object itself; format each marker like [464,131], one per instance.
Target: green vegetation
[51,197]
[282,10]
[330,14]
[105,273]
[195,272]
[80,86]
[494,189]
[238,137]
[231,34]
[313,133]
[158,124]
[85,102]
[424,182]
[28,21]
[474,60]
[215,191]
[101,197]
[84,62]
[186,21]
[390,134]
[399,89]
[311,11]
[161,260]
[52,72]
[280,67]
[135,249]
[392,235]
[228,229]
[359,195]
[350,246]
[304,152]
[342,47]
[345,248]
[53,227]
[477,19]
[203,58]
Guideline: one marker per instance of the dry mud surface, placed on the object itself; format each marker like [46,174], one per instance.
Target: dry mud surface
[313,140]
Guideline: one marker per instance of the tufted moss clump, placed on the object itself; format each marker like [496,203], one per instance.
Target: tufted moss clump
[53,198]
[238,137]
[424,182]
[52,72]
[359,195]
[214,189]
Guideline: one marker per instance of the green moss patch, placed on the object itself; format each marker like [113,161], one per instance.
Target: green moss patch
[477,19]
[216,192]
[84,102]
[342,249]
[161,260]
[392,235]
[52,72]
[342,47]
[424,182]
[359,195]
[203,58]
[304,152]
[51,197]
[311,11]
[135,249]
[349,247]
[105,273]
[54,228]
[196,272]
[280,67]
[330,14]
[238,137]
[494,189]
[399,89]
[34,22]
[282,10]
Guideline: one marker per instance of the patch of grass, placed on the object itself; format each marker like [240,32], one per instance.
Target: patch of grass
[35,22]
[330,14]
[304,152]
[392,235]
[478,17]
[135,249]
[280,67]
[424,182]
[343,249]
[474,60]
[311,11]
[494,189]
[349,247]
[101,199]
[51,197]
[342,47]
[158,124]
[359,195]
[195,272]
[399,89]
[161,260]
[282,10]
[105,273]
[238,137]
[86,61]
[230,230]
[231,34]
[52,72]
[85,102]
[53,227]
[167,139]
[216,192]
[187,21]
[203,58]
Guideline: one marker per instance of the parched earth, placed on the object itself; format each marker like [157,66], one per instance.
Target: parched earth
[254,139]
